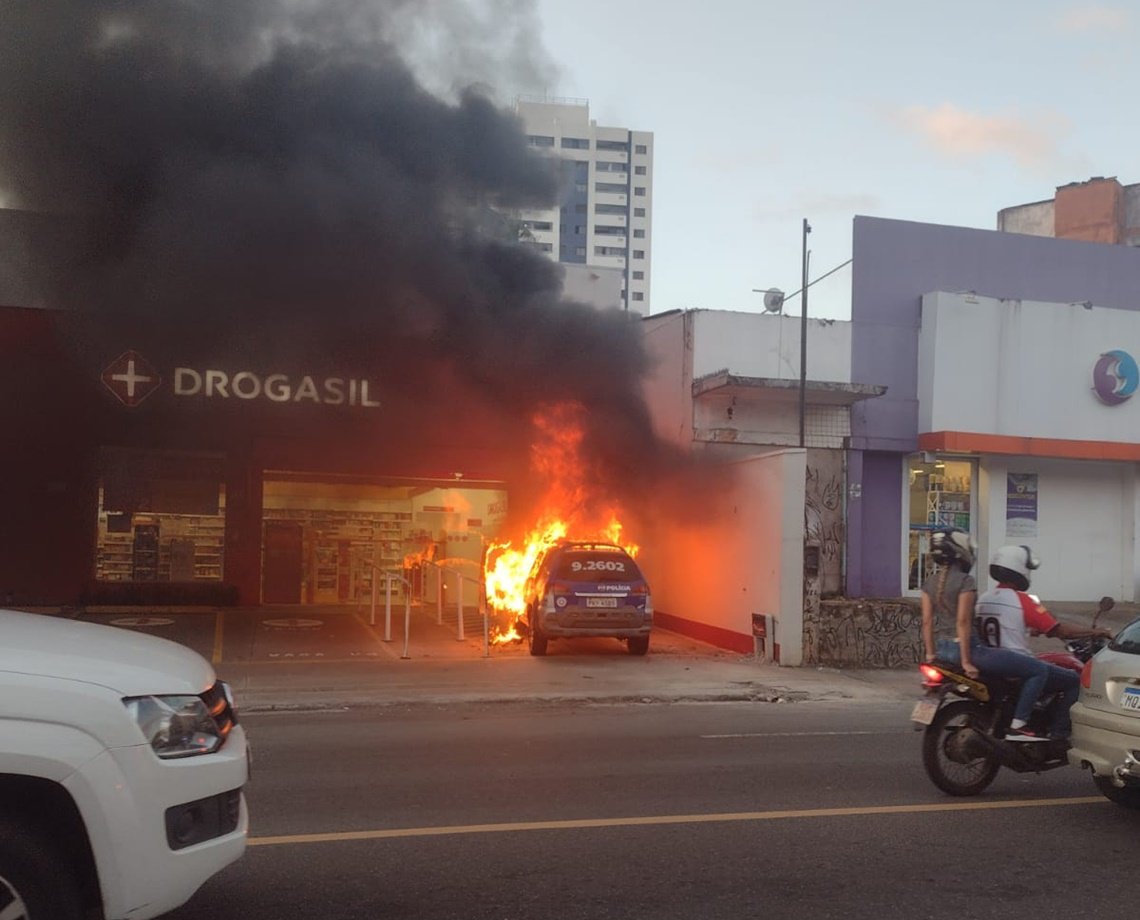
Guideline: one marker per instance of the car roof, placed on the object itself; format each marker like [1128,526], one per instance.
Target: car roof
[589,545]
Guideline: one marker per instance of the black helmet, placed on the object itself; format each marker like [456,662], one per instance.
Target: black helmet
[952,545]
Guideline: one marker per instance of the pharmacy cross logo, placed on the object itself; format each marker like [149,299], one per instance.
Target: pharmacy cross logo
[131,378]
[1115,377]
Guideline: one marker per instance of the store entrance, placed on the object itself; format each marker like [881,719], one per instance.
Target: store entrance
[284,562]
[940,493]
[325,537]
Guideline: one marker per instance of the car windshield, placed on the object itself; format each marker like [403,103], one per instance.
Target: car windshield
[1128,639]
[593,565]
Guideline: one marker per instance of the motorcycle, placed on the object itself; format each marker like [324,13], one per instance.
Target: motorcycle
[964,721]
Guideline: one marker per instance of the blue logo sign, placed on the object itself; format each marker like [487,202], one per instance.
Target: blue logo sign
[1115,377]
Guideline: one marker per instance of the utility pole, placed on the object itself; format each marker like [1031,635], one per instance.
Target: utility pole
[803,330]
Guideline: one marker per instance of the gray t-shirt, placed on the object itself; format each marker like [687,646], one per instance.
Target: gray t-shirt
[945,603]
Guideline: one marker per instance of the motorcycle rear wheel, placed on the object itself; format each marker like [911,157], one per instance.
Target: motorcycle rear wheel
[953,764]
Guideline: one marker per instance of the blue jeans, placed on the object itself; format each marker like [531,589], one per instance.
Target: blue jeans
[1033,673]
[1068,683]
[947,650]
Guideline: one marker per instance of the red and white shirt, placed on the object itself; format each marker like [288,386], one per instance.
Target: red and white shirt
[1005,618]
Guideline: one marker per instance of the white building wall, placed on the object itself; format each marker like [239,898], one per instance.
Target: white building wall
[1022,372]
[1086,514]
[1034,219]
[718,572]
[768,345]
[1021,369]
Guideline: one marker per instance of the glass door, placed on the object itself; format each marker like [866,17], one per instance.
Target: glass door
[940,493]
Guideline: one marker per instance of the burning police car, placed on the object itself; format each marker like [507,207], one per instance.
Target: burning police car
[579,589]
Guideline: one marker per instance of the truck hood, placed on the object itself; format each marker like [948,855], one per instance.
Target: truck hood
[126,662]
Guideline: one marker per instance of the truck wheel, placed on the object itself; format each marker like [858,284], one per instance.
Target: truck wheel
[35,881]
[638,645]
[1125,796]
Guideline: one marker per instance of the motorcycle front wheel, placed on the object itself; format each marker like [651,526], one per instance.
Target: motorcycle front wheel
[957,761]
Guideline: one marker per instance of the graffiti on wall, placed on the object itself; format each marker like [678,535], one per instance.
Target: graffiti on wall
[863,633]
[823,516]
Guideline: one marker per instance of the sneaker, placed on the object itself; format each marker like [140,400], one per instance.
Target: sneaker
[1023,734]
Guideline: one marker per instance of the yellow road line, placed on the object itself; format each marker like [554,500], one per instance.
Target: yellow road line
[219,631]
[666,819]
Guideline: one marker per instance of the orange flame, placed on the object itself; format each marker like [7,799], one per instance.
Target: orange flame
[566,513]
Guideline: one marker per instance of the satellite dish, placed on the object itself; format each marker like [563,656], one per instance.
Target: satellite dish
[773,300]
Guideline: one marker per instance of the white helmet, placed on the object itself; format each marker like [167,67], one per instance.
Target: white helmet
[1011,565]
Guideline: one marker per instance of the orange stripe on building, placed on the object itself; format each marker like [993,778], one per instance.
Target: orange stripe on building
[970,442]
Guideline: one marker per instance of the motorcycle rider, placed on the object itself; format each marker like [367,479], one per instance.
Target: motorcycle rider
[1004,619]
[948,596]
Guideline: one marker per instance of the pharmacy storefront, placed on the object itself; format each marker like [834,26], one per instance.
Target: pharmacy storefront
[157,465]
[1015,418]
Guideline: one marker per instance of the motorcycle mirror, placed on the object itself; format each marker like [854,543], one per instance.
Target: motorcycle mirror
[1106,604]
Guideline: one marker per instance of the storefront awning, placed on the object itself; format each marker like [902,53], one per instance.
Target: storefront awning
[817,392]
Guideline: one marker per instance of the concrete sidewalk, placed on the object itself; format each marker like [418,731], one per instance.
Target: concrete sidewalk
[442,669]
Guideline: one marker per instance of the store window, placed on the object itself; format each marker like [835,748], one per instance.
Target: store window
[324,541]
[161,516]
[940,494]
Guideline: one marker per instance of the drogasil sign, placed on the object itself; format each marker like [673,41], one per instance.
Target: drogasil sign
[132,378]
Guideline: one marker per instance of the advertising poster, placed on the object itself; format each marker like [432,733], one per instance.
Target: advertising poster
[1021,505]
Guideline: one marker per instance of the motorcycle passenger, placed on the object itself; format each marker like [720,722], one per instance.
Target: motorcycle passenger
[1004,619]
[948,596]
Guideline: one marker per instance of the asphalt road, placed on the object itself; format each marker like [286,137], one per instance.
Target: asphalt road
[728,810]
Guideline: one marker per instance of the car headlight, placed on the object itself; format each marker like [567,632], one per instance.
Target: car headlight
[175,726]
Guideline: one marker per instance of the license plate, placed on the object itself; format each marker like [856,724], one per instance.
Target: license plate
[601,601]
[1130,699]
[924,711]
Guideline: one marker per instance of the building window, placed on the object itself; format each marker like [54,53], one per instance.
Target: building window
[580,187]
[639,190]
[610,209]
[538,225]
[608,230]
[641,148]
[581,251]
[639,276]
[575,143]
[637,295]
[639,212]
[639,253]
[612,187]
[639,234]
[579,209]
[639,170]
[612,145]
[609,251]
[539,140]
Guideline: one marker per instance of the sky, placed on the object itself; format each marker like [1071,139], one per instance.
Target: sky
[765,113]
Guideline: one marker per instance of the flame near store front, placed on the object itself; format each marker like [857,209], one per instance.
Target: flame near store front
[569,509]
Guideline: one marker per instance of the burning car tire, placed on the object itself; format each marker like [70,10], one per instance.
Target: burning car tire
[535,640]
[638,645]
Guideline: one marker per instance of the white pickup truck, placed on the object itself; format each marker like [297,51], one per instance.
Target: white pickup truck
[122,766]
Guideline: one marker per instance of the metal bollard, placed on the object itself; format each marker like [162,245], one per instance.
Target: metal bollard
[407,620]
[486,625]
[438,595]
[459,604]
[387,606]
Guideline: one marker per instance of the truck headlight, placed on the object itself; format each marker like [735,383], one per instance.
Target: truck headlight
[175,726]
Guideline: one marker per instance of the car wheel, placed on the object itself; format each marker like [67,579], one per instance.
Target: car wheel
[1125,796]
[35,881]
[638,645]
[536,641]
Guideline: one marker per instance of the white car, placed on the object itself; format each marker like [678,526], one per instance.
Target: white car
[122,767]
[1106,719]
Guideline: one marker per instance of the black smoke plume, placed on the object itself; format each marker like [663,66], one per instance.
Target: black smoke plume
[242,162]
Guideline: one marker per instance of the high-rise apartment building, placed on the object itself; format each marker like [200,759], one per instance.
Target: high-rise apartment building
[601,225]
